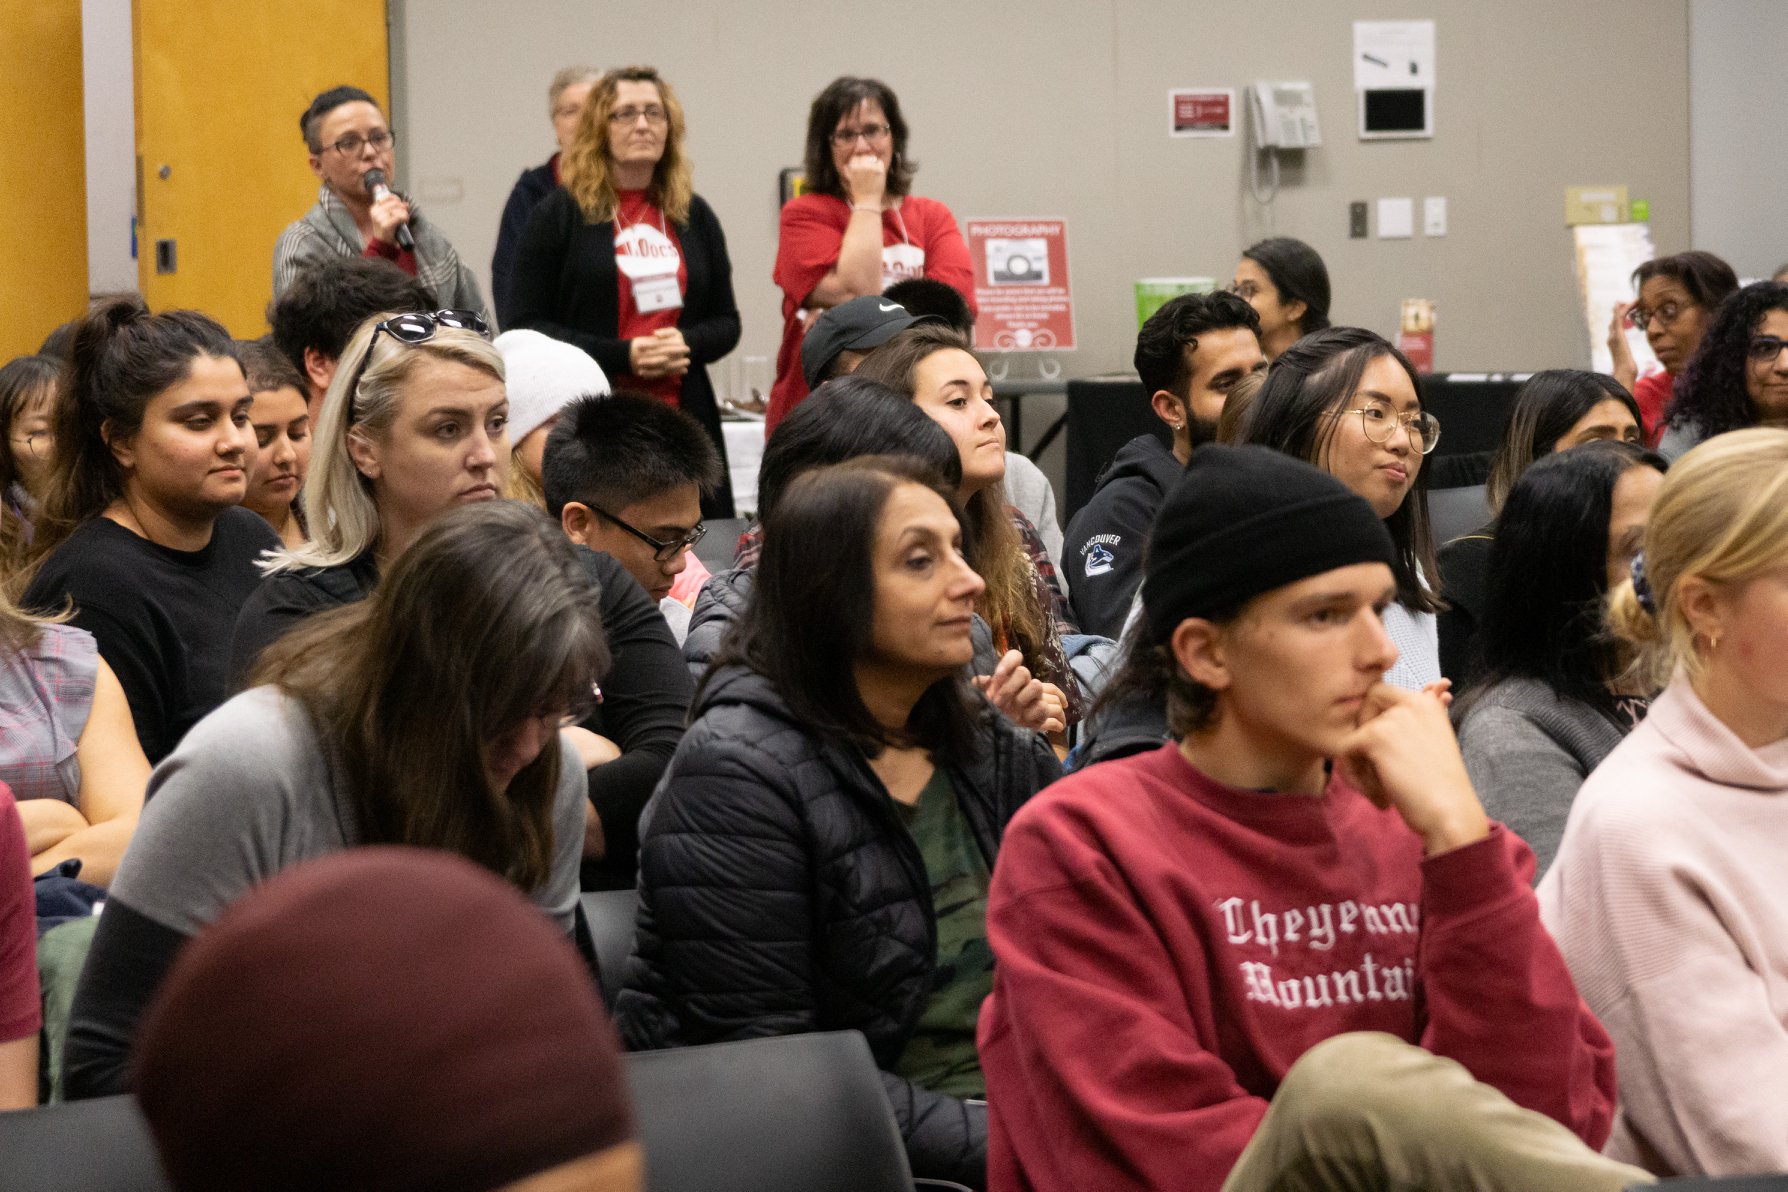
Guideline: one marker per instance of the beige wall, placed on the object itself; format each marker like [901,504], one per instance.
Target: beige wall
[1058,108]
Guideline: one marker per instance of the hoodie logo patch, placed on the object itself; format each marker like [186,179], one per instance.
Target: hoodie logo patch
[1099,559]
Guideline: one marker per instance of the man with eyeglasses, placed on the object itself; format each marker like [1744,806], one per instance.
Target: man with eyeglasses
[625,475]
[348,138]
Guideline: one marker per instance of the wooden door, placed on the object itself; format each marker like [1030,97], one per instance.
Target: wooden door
[43,170]
[221,165]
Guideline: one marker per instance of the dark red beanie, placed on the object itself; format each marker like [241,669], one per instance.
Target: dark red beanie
[385,1018]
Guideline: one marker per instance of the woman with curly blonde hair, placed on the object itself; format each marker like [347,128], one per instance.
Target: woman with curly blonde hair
[627,262]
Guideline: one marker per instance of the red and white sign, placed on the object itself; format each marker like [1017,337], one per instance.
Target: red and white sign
[1021,285]
[1204,112]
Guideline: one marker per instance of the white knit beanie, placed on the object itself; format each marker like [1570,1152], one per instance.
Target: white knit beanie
[544,376]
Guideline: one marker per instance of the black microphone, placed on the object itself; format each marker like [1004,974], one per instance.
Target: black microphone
[378,188]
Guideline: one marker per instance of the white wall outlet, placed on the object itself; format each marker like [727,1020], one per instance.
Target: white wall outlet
[1434,216]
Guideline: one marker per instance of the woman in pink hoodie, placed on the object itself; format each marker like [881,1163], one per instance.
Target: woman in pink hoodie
[1669,897]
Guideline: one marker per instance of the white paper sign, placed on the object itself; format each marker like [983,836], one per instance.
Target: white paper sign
[1393,54]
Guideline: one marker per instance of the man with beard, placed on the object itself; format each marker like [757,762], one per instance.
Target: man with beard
[1189,354]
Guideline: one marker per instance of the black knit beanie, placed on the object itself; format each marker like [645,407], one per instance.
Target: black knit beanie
[1246,520]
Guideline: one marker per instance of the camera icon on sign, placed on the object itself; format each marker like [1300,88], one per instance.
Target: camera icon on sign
[1018,262]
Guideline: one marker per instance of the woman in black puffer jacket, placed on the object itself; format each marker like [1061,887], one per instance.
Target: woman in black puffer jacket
[818,853]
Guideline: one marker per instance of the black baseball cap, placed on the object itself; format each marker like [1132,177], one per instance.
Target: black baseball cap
[857,325]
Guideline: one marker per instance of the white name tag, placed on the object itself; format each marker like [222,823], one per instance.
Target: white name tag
[900,262]
[651,294]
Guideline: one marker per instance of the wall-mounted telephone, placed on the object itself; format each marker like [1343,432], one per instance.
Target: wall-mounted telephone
[1284,115]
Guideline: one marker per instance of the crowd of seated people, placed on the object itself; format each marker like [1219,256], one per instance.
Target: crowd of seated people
[1247,837]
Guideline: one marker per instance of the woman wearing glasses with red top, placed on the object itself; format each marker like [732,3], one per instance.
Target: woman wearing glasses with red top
[1677,297]
[627,262]
[1738,377]
[1348,402]
[415,425]
[856,229]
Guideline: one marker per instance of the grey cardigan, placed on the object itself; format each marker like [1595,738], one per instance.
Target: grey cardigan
[327,230]
[1527,750]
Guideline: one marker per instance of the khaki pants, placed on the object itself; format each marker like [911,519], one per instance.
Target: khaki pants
[1366,1112]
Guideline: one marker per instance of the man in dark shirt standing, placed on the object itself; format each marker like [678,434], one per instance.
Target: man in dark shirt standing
[1189,354]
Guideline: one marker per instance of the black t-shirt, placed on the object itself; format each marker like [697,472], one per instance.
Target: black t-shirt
[162,617]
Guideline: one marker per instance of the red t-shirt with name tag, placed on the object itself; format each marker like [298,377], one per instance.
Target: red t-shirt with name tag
[647,248]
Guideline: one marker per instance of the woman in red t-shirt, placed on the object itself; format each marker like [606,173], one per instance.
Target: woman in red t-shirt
[627,262]
[855,230]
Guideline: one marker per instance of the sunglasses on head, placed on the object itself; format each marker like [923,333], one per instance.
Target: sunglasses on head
[414,328]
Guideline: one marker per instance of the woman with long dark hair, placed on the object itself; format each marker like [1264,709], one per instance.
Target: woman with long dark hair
[818,855]
[1287,284]
[141,528]
[1556,694]
[1553,411]
[1348,402]
[627,262]
[1738,377]
[28,388]
[856,228]
[427,715]
[1023,603]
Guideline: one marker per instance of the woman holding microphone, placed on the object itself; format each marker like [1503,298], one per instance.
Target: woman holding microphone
[857,229]
[627,262]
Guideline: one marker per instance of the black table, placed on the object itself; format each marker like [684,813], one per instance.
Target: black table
[1013,393]
[1104,413]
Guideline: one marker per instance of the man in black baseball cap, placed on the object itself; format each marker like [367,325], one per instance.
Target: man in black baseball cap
[843,335]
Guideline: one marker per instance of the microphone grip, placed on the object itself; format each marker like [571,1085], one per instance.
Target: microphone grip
[405,241]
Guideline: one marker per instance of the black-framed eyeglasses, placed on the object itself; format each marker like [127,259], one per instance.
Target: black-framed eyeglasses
[1664,312]
[662,551]
[1381,422]
[1765,349]
[353,143]
[873,133]
[414,328]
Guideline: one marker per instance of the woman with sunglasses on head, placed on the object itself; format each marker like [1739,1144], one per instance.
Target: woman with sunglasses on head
[1669,896]
[818,855]
[1677,296]
[1738,377]
[1553,411]
[856,228]
[413,426]
[627,262]
[1347,401]
[1556,691]
[141,533]
[427,715]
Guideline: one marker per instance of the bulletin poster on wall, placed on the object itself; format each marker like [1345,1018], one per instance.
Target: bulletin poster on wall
[1606,256]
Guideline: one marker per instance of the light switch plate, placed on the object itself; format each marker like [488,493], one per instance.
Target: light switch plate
[1434,216]
[1356,221]
[1396,219]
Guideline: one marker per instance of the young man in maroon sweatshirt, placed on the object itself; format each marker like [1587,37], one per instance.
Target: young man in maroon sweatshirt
[1286,950]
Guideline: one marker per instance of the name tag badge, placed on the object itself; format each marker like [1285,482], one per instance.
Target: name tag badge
[653,294]
[900,262]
